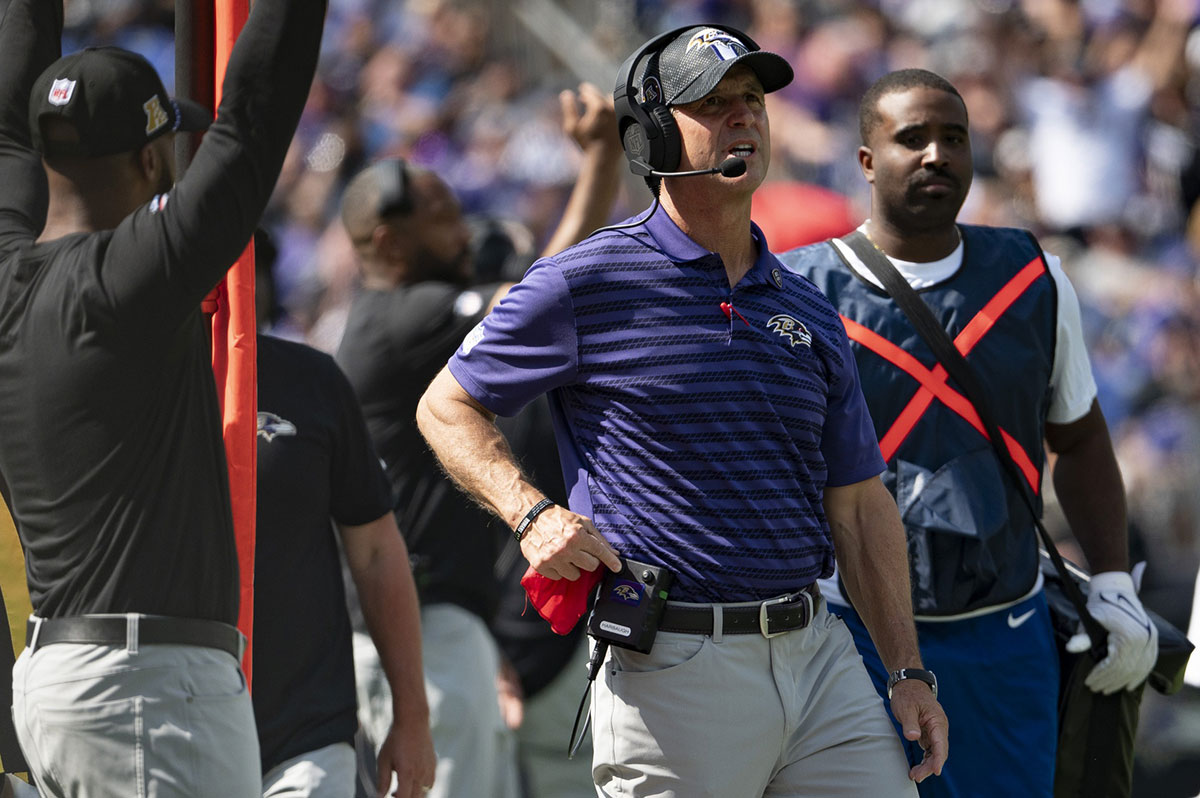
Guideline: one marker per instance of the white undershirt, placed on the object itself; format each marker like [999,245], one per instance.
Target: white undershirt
[1072,387]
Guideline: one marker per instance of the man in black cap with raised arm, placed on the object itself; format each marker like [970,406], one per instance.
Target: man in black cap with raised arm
[110,437]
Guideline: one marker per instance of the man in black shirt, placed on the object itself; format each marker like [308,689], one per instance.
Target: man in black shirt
[316,463]
[414,309]
[416,305]
[110,436]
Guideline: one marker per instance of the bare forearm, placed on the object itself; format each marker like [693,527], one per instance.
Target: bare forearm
[1092,496]
[872,556]
[1087,481]
[1160,53]
[591,200]
[559,544]
[473,451]
[389,603]
[873,561]
[589,118]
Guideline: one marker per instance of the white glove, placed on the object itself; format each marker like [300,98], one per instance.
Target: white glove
[1132,637]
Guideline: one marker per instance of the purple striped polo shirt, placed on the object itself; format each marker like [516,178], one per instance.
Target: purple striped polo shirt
[697,425]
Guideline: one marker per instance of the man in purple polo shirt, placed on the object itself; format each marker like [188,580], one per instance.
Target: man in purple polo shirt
[709,420]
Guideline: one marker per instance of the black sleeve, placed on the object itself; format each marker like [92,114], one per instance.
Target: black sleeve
[30,36]
[433,321]
[359,488]
[166,256]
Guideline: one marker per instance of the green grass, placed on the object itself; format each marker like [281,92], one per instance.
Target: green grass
[12,583]
[12,580]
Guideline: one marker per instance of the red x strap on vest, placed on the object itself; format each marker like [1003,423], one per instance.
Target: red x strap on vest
[933,381]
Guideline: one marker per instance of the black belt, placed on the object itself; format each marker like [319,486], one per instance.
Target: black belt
[769,618]
[134,630]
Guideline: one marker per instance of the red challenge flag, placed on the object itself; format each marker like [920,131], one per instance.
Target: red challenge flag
[234,357]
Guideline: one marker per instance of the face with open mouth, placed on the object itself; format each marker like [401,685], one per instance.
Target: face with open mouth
[728,122]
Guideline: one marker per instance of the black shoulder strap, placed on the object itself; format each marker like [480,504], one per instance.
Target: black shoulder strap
[956,366]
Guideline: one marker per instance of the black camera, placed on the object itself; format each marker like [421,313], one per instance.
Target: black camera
[629,605]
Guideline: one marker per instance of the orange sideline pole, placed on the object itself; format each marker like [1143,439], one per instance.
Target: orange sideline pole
[234,359]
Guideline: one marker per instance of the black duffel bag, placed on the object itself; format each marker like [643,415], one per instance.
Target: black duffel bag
[1096,731]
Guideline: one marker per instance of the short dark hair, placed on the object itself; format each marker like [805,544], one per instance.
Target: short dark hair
[892,83]
[381,190]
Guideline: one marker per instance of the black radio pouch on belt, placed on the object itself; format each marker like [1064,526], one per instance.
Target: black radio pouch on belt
[629,605]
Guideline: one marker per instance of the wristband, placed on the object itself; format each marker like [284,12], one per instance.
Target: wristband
[912,673]
[533,513]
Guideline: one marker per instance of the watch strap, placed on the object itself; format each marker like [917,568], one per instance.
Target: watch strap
[919,674]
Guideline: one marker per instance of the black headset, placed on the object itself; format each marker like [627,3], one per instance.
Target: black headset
[394,197]
[649,133]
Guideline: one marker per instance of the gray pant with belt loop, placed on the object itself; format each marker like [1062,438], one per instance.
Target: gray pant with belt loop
[743,716]
[144,721]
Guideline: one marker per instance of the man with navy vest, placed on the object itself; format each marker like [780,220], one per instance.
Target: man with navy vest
[982,617]
[709,421]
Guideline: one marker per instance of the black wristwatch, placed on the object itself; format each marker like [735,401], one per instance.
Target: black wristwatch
[912,673]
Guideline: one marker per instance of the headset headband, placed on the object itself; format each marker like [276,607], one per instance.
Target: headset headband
[625,88]
[394,197]
[647,129]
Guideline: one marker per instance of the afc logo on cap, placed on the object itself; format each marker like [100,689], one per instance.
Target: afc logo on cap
[61,91]
[156,115]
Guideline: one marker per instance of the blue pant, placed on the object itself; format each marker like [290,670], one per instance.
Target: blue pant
[998,682]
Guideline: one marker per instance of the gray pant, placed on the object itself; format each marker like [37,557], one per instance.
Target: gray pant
[324,773]
[743,716]
[542,738]
[476,752]
[167,721]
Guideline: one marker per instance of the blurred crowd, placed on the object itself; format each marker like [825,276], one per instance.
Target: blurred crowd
[1084,121]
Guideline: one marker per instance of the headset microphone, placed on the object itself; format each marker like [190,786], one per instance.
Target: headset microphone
[730,167]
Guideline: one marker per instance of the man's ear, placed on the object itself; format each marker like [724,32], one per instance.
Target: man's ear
[381,238]
[866,162]
[156,158]
[389,239]
[149,162]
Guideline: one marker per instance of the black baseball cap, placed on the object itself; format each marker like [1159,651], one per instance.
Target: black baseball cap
[694,62]
[113,97]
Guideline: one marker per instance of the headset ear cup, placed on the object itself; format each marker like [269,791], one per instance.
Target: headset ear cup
[668,150]
[636,143]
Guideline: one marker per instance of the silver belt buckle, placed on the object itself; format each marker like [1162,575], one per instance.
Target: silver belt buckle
[763,621]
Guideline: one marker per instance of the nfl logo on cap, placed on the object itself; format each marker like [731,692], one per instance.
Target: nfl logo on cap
[61,91]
